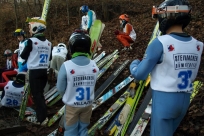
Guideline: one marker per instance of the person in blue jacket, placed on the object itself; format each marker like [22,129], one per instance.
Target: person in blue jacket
[90,15]
[173,61]
[76,82]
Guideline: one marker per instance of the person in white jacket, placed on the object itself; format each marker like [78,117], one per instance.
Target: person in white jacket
[59,54]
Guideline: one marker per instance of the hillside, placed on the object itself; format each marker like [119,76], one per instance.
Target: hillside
[61,23]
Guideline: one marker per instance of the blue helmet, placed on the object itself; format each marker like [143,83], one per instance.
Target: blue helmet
[84,8]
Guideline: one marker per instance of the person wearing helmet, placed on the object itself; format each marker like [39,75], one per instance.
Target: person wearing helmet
[13,71]
[88,20]
[13,92]
[59,54]
[37,54]
[128,35]
[11,66]
[76,82]
[8,66]
[20,34]
[89,17]
[173,60]
[8,55]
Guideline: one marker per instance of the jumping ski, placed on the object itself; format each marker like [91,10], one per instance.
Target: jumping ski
[57,116]
[103,87]
[112,110]
[144,120]
[102,62]
[24,101]
[50,93]
[100,56]
[104,69]
[156,32]
[128,111]
[111,92]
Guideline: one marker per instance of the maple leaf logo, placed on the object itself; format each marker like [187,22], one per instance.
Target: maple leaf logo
[198,48]
[171,47]
[72,71]
[94,70]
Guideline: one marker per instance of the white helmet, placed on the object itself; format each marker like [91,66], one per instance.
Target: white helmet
[36,24]
[62,44]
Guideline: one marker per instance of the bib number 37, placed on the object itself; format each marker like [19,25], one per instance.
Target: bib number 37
[185,79]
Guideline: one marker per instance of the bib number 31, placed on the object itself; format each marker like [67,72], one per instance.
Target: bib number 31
[82,92]
[185,79]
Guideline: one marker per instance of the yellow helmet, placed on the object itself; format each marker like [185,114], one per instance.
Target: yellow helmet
[36,24]
[19,32]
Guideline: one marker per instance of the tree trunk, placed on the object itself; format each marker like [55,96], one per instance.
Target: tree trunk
[40,6]
[105,9]
[67,2]
[16,15]
[28,5]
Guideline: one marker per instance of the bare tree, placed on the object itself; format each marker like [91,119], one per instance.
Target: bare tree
[40,5]
[105,9]
[67,2]
[16,15]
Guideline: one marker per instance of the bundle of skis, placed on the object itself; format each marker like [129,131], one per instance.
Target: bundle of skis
[103,64]
[122,115]
[124,107]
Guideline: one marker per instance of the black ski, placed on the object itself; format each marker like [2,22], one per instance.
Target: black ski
[103,87]
[140,111]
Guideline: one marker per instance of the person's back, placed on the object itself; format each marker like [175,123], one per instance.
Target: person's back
[90,14]
[186,53]
[173,60]
[13,92]
[59,55]
[37,53]
[60,50]
[76,82]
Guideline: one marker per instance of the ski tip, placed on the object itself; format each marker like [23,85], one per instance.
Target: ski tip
[147,81]
[111,132]
[132,85]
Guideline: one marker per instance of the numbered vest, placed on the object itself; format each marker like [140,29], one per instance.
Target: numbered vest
[81,82]
[13,95]
[40,54]
[180,65]
[21,47]
[59,51]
